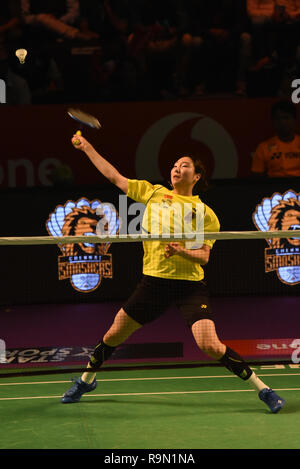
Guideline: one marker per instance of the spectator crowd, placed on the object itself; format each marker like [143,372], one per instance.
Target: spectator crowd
[121,50]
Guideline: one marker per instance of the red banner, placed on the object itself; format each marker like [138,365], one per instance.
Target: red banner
[141,139]
[267,348]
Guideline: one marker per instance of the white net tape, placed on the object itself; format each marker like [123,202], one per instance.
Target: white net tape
[133,238]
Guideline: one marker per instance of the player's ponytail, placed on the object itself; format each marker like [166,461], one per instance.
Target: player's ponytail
[201,185]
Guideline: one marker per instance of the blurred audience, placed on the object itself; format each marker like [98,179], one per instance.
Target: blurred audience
[216,43]
[112,75]
[150,49]
[17,88]
[275,33]
[279,156]
[154,45]
[51,18]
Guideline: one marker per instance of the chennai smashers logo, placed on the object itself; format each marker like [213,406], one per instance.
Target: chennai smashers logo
[281,212]
[85,264]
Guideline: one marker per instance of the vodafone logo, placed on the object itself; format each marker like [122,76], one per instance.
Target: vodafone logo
[205,130]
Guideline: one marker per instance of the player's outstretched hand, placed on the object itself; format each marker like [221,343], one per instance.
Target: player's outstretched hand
[80,143]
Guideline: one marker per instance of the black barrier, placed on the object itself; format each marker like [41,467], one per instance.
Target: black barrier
[30,274]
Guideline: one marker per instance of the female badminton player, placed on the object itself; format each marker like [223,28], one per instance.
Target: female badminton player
[172,274]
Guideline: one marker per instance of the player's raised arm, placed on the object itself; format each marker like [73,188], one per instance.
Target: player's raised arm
[105,168]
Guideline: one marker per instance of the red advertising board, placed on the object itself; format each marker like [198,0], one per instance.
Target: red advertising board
[141,139]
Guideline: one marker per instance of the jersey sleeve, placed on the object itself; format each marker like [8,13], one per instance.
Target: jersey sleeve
[140,191]
[258,161]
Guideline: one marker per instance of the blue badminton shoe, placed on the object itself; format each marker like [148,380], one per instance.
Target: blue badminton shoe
[75,392]
[269,397]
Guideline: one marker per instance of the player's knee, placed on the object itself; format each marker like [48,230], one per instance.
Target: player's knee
[122,327]
[212,350]
[114,338]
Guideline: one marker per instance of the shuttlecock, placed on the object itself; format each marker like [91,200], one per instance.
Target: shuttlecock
[21,54]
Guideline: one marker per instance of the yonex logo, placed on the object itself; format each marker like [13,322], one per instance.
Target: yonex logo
[2,92]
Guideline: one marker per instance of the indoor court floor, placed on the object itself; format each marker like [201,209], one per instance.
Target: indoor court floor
[161,408]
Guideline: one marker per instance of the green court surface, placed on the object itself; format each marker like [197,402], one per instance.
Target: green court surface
[185,408]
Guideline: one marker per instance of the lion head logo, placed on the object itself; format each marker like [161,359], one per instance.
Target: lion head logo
[281,212]
[83,262]
[83,222]
[285,216]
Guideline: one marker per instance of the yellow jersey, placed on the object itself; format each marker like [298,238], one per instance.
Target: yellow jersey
[277,158]
[171,213]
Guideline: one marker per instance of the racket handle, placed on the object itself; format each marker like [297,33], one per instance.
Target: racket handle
[77,142]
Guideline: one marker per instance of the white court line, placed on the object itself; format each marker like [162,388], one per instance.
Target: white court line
[148,379]
[145,394]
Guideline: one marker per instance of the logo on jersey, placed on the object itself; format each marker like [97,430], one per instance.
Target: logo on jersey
[281,212]
[84,263]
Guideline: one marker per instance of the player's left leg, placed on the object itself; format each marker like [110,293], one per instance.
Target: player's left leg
[205,335]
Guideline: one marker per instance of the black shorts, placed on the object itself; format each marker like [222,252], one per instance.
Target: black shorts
[154,295]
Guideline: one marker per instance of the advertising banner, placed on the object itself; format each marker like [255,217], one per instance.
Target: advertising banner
[141,139]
